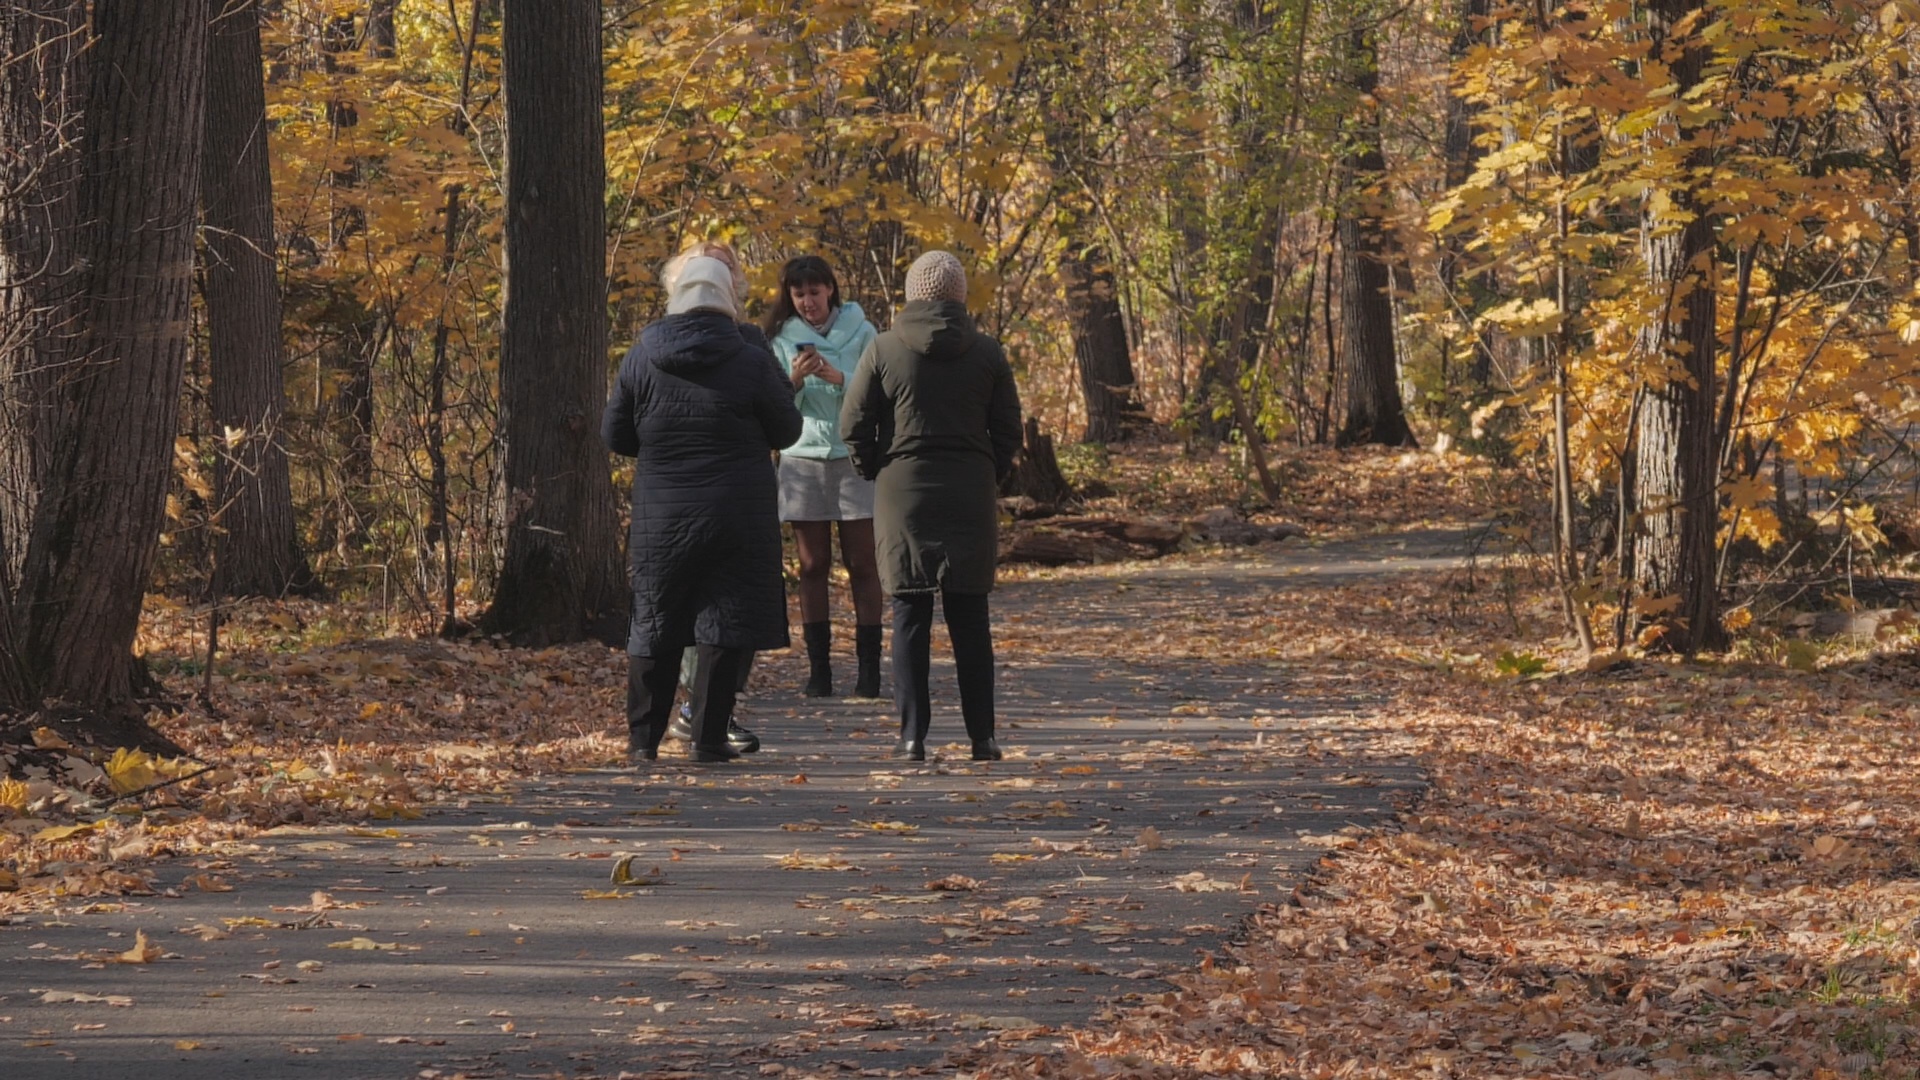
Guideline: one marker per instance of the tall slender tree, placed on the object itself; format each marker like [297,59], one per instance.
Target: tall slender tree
[102,495]
[1101,351]
[560,579]
[258,550]
[1674,491]
[1375,413]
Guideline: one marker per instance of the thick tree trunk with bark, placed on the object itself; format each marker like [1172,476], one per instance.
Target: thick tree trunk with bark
[1100,347]
[1675,460]
[561,578]
[103,495]
[1036,471]
[1375,413]
[42,88]
[258,549]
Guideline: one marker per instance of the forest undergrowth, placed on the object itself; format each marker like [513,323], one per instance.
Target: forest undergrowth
[1623,868]
[1631,867]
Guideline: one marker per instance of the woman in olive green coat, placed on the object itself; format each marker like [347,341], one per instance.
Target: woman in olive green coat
[932,415]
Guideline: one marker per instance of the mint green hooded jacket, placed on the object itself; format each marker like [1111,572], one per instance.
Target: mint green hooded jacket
[819,401]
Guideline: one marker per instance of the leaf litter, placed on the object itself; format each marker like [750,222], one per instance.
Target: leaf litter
[1631,869]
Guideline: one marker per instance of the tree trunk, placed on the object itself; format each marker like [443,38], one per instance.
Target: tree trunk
[1674,483]
[561,575]
[1374,410]
[1100,347]
[258,548]
[1462,157]
[1036,471]
[383,39]
[104,496]
[42,83]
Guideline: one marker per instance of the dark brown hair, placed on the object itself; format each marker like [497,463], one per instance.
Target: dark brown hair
[800,270]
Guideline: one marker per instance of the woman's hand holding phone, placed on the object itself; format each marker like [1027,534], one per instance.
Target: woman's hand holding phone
[808,361]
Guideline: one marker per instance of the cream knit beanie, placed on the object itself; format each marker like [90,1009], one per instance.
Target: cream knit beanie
[937,275]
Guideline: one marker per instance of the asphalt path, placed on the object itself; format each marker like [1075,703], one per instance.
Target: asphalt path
[817,910]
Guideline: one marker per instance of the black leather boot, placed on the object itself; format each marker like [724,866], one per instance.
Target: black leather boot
[866,644]
[819,638]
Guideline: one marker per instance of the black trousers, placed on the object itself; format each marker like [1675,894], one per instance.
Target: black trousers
[971,632]
[651,681]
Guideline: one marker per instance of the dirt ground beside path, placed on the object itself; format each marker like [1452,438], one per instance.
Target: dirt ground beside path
[820,910]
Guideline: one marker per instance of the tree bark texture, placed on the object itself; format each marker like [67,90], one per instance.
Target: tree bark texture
[561,577]
[1674,481]
[258,548]
[116,410]
[1100,347]
[1375,413]
[42,88]
[1462,157]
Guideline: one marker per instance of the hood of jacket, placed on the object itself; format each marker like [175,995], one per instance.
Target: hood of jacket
[842,332]
[692,341]
[936,329]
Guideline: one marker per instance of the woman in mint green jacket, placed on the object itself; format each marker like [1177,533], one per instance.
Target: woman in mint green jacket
[818,341]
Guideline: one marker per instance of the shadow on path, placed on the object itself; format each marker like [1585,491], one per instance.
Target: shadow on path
[818,910]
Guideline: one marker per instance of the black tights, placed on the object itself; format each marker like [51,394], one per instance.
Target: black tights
[650,684]
[971,632]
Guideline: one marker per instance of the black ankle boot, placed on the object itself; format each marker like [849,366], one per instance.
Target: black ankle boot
[819,638]
[866,644]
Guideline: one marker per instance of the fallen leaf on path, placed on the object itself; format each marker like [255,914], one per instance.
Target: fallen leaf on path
[363,944]
[623,873]
[799,860]
[70,997]
[143,951]
[953,883]
[1199,882]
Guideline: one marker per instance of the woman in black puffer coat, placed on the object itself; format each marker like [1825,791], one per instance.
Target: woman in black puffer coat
[700,409]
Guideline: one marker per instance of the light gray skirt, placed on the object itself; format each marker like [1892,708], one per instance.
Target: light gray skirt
[815,490]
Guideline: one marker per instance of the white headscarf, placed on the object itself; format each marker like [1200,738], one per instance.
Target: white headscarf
[699,283]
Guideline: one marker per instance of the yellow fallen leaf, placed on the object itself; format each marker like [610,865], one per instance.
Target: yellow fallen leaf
[891,826]
[13,796]
[603,894]
[143,951]
[189,1044]
[64,832]
[130,770]
[623,873]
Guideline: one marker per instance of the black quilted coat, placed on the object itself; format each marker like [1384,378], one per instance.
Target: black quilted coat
[701,409]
